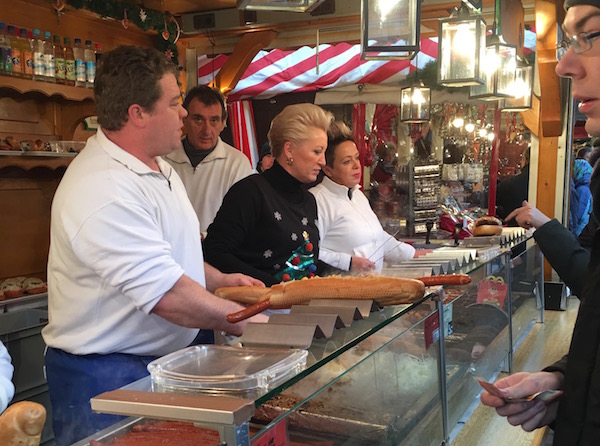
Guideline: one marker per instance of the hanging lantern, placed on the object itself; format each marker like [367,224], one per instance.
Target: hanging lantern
[499,66]
[391,29]
[461,48]
[521,91]
[415,103]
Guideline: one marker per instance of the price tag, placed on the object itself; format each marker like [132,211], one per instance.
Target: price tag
[276,436]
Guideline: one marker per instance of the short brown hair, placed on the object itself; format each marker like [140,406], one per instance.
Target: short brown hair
[338,133]
[292,124]
[129,75]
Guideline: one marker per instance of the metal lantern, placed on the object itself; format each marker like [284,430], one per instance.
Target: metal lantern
[461,48]
[279,5]
[521,91]
[499,66]
[390,29]
[415,102]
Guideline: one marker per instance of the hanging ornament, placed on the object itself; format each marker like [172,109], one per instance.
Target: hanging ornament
[59,5]
[143,16]
[165,33]
[125,22]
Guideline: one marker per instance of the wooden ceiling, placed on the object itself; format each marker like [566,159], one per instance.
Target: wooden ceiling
[433,9]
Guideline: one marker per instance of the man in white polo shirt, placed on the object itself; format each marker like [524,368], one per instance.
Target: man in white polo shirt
[126,277]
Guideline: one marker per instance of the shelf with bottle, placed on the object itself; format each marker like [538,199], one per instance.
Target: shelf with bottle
[24,86]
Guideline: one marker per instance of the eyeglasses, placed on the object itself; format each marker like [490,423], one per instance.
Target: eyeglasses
[200,121]
[581,42]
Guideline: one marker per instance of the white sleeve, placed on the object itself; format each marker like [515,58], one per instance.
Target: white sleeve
[397,251]
[340,260]
[336,259]
[7,388]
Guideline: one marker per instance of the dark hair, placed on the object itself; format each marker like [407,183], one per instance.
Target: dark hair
[583,152]
[208,96]
[337,133]
[129,75]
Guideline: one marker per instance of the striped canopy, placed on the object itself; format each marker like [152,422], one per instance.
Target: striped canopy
[275,72]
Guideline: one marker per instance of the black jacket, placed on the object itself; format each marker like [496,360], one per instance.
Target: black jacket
[578,419]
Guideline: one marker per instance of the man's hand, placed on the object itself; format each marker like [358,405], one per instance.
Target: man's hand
[216,279]
[238,279]
[530,415]
[528,216]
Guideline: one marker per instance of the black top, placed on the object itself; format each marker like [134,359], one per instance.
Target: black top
[260,225]
[510,194]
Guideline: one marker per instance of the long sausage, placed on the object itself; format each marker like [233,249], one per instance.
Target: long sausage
[250,311]
[446,279]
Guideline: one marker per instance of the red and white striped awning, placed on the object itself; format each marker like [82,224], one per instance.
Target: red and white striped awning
[276,72]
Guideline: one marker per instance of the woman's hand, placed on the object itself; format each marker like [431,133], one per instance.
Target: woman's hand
[361,265]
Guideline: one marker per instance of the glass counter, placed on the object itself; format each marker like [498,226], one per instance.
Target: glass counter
[395,377]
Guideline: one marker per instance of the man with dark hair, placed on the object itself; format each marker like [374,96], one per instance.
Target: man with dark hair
[126,278]
[573,415]
[207,166]
[513,191]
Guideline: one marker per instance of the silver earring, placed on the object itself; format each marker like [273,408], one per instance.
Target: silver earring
[290,161]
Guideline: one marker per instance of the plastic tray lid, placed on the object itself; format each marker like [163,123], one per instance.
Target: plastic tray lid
[215,367]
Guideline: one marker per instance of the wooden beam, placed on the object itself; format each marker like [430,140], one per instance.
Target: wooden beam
[547,15]
[546,23]
[531,118]
[243,53]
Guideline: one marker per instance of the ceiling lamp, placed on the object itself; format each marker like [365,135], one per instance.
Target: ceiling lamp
[279,5]
[521,91]
[415,103]
[390,29]
[461,48]
[499,66]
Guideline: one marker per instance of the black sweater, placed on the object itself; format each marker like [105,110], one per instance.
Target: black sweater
[260,224]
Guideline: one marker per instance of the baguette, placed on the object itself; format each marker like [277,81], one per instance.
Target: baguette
[284,295]
[243,294]
[22,423]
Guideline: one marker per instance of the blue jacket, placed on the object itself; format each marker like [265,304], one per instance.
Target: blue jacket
[580,205]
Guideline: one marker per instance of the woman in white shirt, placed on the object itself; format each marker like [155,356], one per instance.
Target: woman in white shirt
[7,389]
[351,237]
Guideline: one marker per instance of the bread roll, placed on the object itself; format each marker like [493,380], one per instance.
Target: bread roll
[22,423]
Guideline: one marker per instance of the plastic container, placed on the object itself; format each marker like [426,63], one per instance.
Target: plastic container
[225,371]
[66,146]
[21,333]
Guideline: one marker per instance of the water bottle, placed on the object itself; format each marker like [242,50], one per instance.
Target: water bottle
[98,55]
[50,69]
[4,50]
[70,75]
[59,61]
[15,52]
[78,54]
[39,67]
[26,54]
[90,64]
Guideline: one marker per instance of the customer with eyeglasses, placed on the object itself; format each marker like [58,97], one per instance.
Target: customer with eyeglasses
[207,166]
[574,415]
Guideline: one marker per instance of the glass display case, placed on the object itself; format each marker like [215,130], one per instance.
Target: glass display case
[404,374]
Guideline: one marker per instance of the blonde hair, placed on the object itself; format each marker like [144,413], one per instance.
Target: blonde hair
[292,125]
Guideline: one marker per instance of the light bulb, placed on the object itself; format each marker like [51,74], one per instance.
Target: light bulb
[490,137]
[458,122]
[483,133]
[470,127]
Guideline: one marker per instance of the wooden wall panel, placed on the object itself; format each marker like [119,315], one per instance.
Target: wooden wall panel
[26,197]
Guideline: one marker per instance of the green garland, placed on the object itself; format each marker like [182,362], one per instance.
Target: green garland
[145,19]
